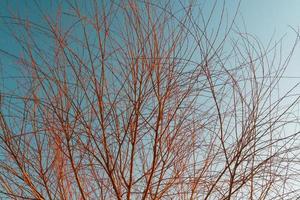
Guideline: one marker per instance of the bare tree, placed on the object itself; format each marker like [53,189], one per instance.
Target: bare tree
[144,100]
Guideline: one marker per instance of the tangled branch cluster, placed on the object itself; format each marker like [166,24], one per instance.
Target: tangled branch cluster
[142,100]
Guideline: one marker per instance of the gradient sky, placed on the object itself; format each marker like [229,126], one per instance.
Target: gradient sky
[263,18]
[266,17]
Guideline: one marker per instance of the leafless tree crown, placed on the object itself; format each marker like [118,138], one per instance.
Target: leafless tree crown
[143,100]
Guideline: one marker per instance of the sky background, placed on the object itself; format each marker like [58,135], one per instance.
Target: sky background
[267,17]
[262,18]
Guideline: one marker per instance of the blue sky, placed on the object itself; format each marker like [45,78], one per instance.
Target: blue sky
[263,18]
[267,17]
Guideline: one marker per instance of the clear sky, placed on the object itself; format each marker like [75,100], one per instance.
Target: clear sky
[263,18]
[267,17]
